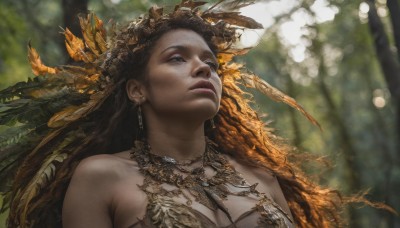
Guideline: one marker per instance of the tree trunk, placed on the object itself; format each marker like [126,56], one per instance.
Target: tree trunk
[351,174]
[388,60]
[381,136]
[394,9]
[389,63]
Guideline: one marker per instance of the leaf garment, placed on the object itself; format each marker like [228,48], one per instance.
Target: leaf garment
[175,192]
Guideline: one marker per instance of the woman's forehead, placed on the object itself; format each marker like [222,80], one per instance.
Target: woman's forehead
[181,39]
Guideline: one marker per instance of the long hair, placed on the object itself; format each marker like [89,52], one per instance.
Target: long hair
[110,126]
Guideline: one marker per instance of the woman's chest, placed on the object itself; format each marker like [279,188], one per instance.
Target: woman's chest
[135,208]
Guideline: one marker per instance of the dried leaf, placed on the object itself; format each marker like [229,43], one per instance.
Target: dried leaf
[235,5]
[75,46]
[87,32]
[155,12]
[100,27]
[227,56]
[42,92]
[58,119]
[233,18]
[73,113]
[38,68]
[165,213]
[94,34]
[80,71]
[101,34]
[101,43]
[190,4]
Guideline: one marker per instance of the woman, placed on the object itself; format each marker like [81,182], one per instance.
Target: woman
[163,136]
[182,91]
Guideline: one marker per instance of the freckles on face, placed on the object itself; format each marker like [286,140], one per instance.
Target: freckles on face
[182,76]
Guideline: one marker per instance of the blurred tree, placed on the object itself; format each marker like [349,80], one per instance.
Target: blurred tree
[387,56]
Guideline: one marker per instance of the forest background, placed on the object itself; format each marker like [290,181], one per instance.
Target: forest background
[337,58]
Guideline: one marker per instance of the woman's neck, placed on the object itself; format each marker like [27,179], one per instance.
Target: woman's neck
[176,139]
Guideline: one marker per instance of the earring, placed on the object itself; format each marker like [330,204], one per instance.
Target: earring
[140,118]
[212,123]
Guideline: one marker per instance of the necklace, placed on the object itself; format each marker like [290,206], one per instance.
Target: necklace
[207,190]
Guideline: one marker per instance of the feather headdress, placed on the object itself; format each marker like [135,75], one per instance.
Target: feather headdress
[43,120]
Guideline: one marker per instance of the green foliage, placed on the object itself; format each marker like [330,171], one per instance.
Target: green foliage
[12,54]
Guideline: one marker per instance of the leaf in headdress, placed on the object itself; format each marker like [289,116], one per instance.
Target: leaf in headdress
[58,119]
[42,92]
[81,77]
[100,27]
[75,47]
[72,113]
[80,71]
[253,81]
[87,32]
[91,26]
[233,18]
[101,43]
[13,135]
[101,34]
[227,55]
[81,84]
[234,5]
[9,114]
[190,4]
[14,92]
[38,68]
[155,12]
[224,58]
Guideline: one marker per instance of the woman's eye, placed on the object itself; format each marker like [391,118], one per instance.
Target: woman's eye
[177,59]
[212,64]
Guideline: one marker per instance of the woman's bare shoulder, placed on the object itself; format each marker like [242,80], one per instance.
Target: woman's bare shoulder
[96,183]
[247,170]
[107,167]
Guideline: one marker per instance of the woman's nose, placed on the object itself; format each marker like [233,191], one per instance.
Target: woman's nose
[201,69]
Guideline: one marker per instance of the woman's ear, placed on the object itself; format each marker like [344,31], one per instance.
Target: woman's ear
[135,91]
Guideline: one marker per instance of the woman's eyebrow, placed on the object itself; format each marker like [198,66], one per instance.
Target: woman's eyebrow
[183,48]
[179,47]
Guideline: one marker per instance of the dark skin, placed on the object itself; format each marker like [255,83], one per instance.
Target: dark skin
[104,189]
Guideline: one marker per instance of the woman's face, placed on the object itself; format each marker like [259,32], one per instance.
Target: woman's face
[182,79]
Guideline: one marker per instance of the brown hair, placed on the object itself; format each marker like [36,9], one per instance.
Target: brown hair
[110,126]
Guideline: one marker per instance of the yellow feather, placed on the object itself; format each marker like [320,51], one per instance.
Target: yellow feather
[38,68]
[75,47]
[94,34]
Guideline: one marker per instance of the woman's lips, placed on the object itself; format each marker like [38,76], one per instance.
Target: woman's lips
[204,85]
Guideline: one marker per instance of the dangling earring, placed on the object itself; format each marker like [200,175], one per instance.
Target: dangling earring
[140,118]
[212,123]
